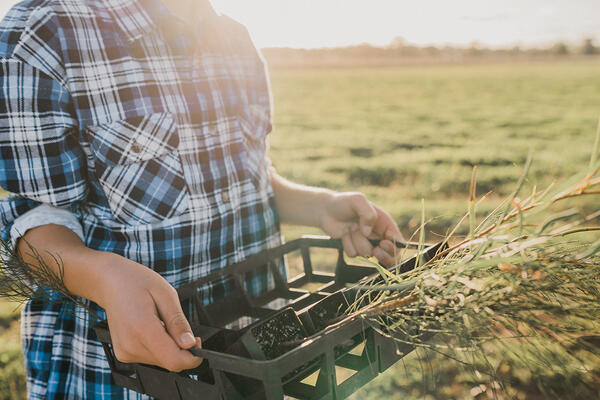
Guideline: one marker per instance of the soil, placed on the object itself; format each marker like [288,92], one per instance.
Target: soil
[273,334]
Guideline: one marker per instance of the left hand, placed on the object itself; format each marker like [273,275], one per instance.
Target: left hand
[354,219]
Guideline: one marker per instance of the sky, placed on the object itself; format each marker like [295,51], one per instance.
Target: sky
[330,23]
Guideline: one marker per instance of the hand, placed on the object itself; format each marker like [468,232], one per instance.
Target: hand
[354,219]
[147,324]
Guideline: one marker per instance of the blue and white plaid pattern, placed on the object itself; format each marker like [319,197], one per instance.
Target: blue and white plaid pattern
[153,134]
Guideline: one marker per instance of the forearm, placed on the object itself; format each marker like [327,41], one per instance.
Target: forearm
[299,204]
[82,268]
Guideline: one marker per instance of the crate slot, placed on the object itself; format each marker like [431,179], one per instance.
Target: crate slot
[274,336]
[326,311]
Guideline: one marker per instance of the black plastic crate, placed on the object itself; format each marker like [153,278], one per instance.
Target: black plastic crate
[296,350]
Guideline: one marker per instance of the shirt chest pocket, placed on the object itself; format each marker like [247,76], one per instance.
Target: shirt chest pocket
[139,168]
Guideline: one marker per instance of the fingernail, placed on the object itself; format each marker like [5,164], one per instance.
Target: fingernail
[187,339]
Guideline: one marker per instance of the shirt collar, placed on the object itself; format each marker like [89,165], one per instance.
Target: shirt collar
[137,17]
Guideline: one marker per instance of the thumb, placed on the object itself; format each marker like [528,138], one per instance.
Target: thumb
[176,324]
[366,213]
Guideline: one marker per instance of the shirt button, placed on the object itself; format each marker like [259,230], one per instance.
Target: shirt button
[224,196]
[136,147]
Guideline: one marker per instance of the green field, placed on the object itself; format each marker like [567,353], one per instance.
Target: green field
[402,134]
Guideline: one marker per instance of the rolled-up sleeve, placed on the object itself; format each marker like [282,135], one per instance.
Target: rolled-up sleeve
[41,161]
[44,215]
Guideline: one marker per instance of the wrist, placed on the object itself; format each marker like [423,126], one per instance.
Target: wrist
[98,272]
[323,200]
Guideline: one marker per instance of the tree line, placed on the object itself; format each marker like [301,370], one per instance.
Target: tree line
[399,52]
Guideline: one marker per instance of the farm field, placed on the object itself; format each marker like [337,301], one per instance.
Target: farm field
[406,133]
[402,134]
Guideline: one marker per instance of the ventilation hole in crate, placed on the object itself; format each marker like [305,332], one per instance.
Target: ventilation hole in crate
[342,374]
[353,348]
[357,351]
[304,388]
[312,378]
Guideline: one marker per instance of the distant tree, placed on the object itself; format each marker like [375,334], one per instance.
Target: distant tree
[475,49]
[588,47]
[560,49]
[397,43]
[516,49]
[431,51]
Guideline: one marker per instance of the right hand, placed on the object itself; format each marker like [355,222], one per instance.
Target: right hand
[145,318]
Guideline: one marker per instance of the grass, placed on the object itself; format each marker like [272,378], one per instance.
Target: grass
[12,379]
[520,288]
[400,134]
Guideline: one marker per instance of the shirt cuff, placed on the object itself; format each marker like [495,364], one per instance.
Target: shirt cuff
[44,215]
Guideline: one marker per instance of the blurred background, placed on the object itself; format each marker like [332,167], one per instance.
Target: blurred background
[400,100]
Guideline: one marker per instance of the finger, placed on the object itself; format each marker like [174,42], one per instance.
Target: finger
[165,351]
[146,341]
[348,246]
[388,247]
[198,344]
[394,234]
[384,257]
[386,227]
[362,244]
[170,312]
[366,213]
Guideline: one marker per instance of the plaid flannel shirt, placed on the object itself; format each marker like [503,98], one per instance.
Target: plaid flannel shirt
[153,134]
